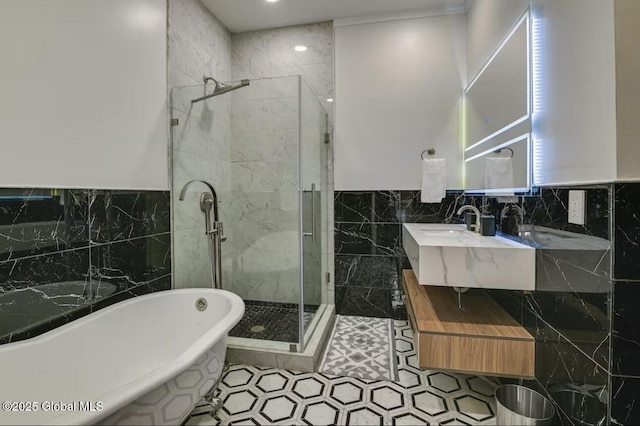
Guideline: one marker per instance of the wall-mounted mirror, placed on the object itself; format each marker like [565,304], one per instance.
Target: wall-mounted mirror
[497,119]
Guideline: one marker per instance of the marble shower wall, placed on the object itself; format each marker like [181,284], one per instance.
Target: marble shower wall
[270,53]
[67,253]
[266,167]
[262,220]
[199,45]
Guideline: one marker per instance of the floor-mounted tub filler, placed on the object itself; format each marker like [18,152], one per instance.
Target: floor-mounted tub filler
[147,360]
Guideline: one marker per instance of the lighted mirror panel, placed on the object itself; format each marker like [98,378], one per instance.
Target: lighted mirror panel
[497,116]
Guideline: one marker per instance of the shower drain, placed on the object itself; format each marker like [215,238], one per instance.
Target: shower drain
[257,329]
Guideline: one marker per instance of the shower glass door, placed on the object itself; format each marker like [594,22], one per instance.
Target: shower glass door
[314,185]
[246,143]
[263,210]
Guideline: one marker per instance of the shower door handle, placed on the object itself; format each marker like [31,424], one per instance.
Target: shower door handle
[312,234]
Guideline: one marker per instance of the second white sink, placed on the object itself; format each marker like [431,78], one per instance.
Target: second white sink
[449,255]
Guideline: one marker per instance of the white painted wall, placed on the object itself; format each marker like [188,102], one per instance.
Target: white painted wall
[574,122]
[83,89]
[488,23]
[398,90]
[628,88]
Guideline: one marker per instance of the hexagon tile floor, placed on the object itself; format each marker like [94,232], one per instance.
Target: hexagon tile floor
[264,396]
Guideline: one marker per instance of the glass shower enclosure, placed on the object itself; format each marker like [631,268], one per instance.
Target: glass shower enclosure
[264,149]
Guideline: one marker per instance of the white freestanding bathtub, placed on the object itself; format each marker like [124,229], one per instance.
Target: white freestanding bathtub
[147,360]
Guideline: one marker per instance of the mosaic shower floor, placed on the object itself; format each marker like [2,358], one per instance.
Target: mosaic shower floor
[264,396]
[272,321]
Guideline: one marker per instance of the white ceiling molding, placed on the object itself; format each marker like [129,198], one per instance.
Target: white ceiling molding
[251,15]
[345,22]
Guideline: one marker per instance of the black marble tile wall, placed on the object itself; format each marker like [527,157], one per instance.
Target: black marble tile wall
[624,400]
[627,231]
[625,351]
[34,222]
[569,314]
[66,253]
[578,388]
[584,313]
[551,209]
[368,245]
[626,329]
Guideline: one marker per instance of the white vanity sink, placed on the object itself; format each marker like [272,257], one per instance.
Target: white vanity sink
[452,256]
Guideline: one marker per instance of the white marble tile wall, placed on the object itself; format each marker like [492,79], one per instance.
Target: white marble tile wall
[199,45]
[265,149]
[246,145]
[270,53]
[262,214]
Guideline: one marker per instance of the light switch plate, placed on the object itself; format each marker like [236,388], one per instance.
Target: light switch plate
[576,207]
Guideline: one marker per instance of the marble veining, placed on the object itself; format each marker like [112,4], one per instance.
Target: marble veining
[627,231]
[198,45]
[583,312]
[449,255]
[34,222]
[269,53]
[368,246]
[246,144]
[77,248]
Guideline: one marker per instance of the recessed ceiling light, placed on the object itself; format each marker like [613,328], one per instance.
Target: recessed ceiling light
[300,48]
[272,1]
[330,100]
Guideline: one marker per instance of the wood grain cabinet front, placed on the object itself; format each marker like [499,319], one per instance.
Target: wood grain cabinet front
[482,338]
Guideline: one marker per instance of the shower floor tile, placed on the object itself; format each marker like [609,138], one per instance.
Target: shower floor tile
[265,396]
[272,321]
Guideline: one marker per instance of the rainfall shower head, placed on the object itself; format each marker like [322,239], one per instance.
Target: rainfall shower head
[220,88]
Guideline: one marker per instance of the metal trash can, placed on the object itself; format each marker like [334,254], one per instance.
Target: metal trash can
[518,405]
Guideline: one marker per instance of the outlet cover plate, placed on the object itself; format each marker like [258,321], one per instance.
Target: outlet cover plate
[577,207]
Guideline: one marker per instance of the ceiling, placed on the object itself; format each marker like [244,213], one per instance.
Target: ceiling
[249,15]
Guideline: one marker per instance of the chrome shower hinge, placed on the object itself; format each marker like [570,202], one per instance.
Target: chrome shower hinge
[175,122]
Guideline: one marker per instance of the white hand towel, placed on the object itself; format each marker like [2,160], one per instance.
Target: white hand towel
[434,180]
[498,173]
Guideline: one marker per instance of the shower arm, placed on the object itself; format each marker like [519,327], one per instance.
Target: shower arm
[220,90]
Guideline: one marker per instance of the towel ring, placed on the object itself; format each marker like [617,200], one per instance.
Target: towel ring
[429,151]
[500,150]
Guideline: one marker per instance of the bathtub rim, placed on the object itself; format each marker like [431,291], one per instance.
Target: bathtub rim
[119,397]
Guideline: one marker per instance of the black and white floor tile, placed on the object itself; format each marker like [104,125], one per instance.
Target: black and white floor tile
[264,396]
